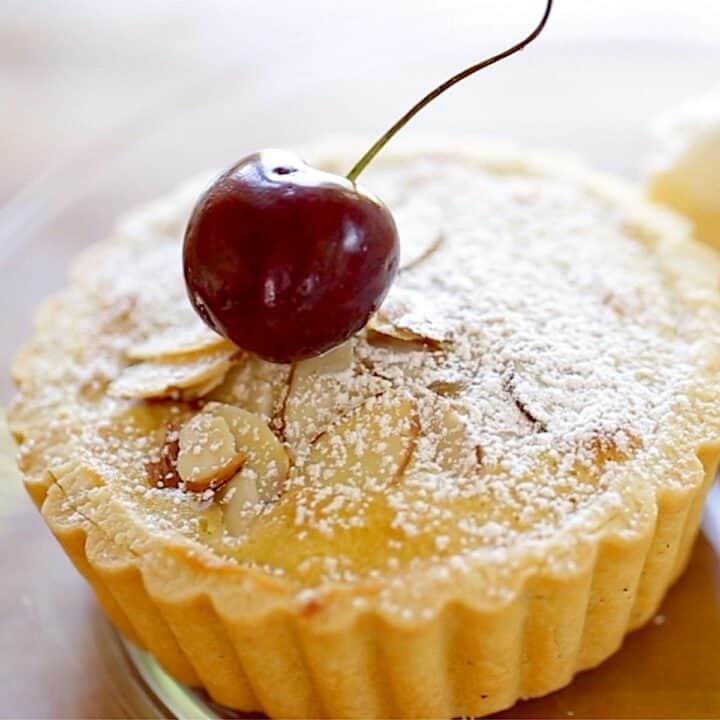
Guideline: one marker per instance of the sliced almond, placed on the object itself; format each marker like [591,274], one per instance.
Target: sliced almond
[407,316]
[267,459]
[370,446]
[239,502]
[192,337]
[265,468]
[162,472]
[160,379]
[208,455]
[255,385]
[383,326]
[447,386]
[456,452]
[397,361]
[318,392]
[203,389]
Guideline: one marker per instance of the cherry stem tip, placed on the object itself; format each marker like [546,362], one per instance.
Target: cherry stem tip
[367,158]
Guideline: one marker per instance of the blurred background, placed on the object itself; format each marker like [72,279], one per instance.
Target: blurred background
[107,104]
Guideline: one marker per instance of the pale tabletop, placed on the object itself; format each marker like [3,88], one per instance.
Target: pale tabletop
[104,105]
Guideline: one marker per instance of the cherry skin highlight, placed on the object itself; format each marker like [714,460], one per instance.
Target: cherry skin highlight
[285,260]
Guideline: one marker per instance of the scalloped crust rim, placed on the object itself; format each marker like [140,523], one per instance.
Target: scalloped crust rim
[302,661]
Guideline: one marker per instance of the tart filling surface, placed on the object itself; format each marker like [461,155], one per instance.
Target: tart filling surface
[541,378]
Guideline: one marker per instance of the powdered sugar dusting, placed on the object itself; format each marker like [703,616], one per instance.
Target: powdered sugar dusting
[532,345]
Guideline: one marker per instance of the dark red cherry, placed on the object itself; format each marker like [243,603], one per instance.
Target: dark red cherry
[288,261]
[285,260]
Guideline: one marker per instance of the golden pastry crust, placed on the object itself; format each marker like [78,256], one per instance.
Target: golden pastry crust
[470,502]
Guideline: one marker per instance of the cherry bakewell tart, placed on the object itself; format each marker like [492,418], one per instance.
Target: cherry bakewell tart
[469,501]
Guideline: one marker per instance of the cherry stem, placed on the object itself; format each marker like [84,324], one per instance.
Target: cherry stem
[368,157]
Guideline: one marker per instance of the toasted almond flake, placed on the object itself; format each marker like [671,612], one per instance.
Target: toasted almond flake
[336,360]
[456,450]
[402,317]
[193,337]
[152,379]
[239,502]
[447,386]
[201,390]
[162,471]
[267,460]
[208,456]
[323,388]
[255,385]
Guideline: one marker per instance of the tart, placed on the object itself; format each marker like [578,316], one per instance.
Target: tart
[465,504]
[685,164]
